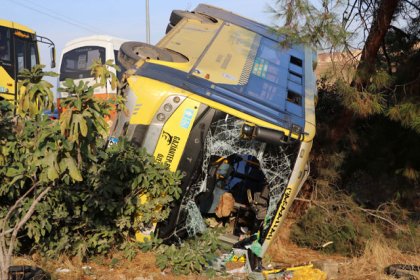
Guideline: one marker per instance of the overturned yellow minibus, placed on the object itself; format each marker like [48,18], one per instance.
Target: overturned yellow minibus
[221,100]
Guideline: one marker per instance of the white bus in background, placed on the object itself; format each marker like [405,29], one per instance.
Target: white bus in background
[77,57]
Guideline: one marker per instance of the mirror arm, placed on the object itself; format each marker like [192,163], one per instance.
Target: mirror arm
[45,40]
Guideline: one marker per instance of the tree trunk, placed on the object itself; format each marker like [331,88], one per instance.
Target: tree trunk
[7,246]
[381,22]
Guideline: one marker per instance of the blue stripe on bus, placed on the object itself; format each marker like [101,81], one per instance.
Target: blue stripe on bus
[217,93]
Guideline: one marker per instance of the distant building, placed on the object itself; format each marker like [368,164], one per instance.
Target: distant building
[331,62]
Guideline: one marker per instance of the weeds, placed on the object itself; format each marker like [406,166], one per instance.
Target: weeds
[339,221]
[377,255]
[337,224]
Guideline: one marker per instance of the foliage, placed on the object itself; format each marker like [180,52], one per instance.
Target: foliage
[336,218]
[407,113]
[64,187]
[306,23]
[36,94]
[315,230]
[361,103]
[194,255]
[35,157]
[103,211]
[83,112]
[103,74]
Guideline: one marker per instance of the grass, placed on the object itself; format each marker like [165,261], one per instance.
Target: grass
[378,254]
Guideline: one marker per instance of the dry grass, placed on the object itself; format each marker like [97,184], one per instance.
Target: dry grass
[142,267]
[370,266]
[377,256]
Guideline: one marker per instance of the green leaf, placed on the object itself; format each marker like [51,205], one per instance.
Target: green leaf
[12,172]
[73,170]
[83,127]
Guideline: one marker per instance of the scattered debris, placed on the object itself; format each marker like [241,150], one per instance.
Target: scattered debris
[400,271]
[330,267]
[62,270]
[25,272]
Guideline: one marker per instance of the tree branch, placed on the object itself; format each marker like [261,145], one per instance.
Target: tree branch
[13,208]
[370,212]
[388,60]
[4,233]
[373,213]
[25,219]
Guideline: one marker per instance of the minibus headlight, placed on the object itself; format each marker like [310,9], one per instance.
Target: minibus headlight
[160,117]
[167,107]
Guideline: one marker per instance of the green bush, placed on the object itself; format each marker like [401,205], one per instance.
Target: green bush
[195,255]
[84,194]
[102,212]
[347,232]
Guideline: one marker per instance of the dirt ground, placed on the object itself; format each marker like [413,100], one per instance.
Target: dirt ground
[282,253]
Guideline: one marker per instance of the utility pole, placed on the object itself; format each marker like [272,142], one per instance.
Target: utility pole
[147,23]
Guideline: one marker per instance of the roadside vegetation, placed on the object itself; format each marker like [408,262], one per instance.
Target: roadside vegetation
[65,191]
[62,190]
[364,191]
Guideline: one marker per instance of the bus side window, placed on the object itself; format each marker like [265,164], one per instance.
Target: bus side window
[4,44]
[20,55]
[32,55]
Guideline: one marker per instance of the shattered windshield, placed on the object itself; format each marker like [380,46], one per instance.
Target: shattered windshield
[224,142]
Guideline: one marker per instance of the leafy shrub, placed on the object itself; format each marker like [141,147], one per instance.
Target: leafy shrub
[194,255]
[315,229]
[337,219]
[103,211]
[80,196]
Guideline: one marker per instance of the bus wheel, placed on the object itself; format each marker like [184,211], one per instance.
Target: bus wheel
[178,15]
[169,28]
[131,52]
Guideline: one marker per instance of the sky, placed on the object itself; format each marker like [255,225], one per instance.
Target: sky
[64,20]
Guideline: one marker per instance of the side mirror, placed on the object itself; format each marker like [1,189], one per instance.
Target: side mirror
[52,54]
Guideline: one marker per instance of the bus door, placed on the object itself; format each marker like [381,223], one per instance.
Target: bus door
[7,81]
[26,55]
[18,51]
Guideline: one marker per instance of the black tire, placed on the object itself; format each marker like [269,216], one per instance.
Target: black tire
[27,273]
[131,52]
[169,28]
[178,15]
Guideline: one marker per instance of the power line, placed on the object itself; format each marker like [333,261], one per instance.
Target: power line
[62,16]
[55,17]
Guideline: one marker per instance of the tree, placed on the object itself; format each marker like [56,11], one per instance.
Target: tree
[37,155]
[63,186]
[382,17]
[28,140]
[303,22]
[368,114]
[365,82]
